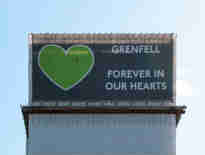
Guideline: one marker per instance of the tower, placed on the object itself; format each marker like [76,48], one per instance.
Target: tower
[102,94]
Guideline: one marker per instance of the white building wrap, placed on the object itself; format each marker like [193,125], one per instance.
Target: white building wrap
[102,134]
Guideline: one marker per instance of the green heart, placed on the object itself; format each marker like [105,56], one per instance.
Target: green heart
[66,68]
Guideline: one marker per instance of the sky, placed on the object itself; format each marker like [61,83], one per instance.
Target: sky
[18,18]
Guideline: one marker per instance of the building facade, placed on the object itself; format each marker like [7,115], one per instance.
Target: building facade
[144,125]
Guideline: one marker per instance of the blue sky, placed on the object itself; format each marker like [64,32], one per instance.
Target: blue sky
[18,18]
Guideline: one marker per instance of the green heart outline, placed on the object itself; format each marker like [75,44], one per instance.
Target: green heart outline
[66,52]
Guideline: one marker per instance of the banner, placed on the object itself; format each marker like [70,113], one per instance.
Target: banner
[109,71]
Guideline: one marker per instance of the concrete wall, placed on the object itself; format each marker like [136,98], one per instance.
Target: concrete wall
[110,134]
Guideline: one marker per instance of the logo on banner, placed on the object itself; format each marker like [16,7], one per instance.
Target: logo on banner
[66,68]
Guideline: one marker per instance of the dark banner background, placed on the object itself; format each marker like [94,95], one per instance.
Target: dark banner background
[93,86]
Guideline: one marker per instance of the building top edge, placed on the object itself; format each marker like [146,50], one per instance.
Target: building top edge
[101,37]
